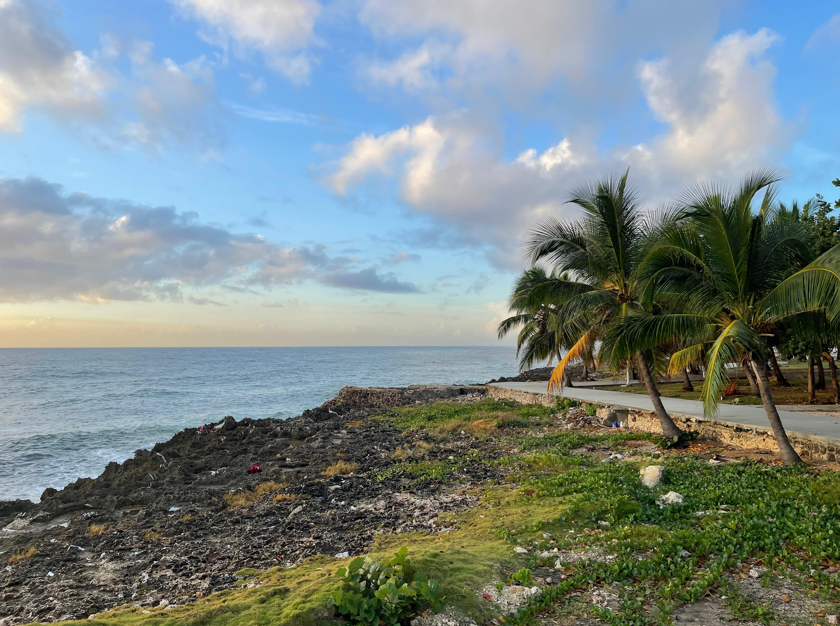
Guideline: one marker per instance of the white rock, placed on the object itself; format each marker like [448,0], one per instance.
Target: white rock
[672,497]
[342,555]
[652,475]
[757,572]
[519,550]
[19,523]
[832,619]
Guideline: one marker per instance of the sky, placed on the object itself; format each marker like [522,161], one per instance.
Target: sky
[364,172]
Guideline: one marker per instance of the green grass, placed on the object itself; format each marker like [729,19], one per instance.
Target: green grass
[481,419]
[663,557]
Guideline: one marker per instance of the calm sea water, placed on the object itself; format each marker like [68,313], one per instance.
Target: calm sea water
[67,413]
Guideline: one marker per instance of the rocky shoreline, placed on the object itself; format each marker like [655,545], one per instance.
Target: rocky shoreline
[166,527]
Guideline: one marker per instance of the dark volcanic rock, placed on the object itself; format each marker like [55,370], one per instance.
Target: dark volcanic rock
[159,527]
[385,397]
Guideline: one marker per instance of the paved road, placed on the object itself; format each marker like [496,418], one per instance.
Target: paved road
[795,422]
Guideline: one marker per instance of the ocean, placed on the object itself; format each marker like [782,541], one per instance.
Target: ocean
[67,413]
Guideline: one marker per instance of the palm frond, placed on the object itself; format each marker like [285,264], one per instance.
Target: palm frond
[814,287]
[575,352]
[735,338]
[692,355]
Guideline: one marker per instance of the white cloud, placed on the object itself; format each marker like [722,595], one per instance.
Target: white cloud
[173,103]
[368,154]
[157,104]
[519,46]
[827,33]
[280,29]
[412,71]
[499,311]
[721,121]
[39,69]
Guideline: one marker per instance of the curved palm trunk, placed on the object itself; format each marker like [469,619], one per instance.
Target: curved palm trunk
[669,428]
[789,455]
[780,378]
[687,386]
[754,391]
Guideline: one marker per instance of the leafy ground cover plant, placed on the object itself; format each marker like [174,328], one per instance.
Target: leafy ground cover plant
[386,593]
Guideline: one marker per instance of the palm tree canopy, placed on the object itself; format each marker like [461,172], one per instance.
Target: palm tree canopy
[603,251]
[742,267]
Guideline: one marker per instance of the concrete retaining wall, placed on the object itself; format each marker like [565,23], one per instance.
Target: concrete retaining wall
[739,435]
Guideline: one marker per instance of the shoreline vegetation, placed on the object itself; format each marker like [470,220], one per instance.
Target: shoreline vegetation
[441,506]
[518,514]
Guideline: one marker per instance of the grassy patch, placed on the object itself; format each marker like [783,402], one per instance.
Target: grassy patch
[242,498]
[22,555]
[94,530]
[340,468]
[480,419]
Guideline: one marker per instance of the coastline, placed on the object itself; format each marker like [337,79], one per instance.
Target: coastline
[157,531]
[479,490]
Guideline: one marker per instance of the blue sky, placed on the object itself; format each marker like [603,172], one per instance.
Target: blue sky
[363,172]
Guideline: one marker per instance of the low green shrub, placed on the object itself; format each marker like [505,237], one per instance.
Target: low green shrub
[383,593]
[564,404]
[591,409]
[523,577]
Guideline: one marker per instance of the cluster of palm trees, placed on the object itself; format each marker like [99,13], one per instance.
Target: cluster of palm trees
[713,280]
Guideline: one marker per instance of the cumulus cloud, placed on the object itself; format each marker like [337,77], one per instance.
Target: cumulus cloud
[281,30]
[72,246]
[155,104]
[519,46]
[39,69]
[720,121]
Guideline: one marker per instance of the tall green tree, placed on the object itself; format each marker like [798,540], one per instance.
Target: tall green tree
[744,271]
[602,251]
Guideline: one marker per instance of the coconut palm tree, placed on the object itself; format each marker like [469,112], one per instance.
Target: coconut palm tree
[535,299]
[744,270]
[602,251]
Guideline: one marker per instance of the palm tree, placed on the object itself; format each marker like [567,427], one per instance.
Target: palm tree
[743,272]
[536,297]
[602,251]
